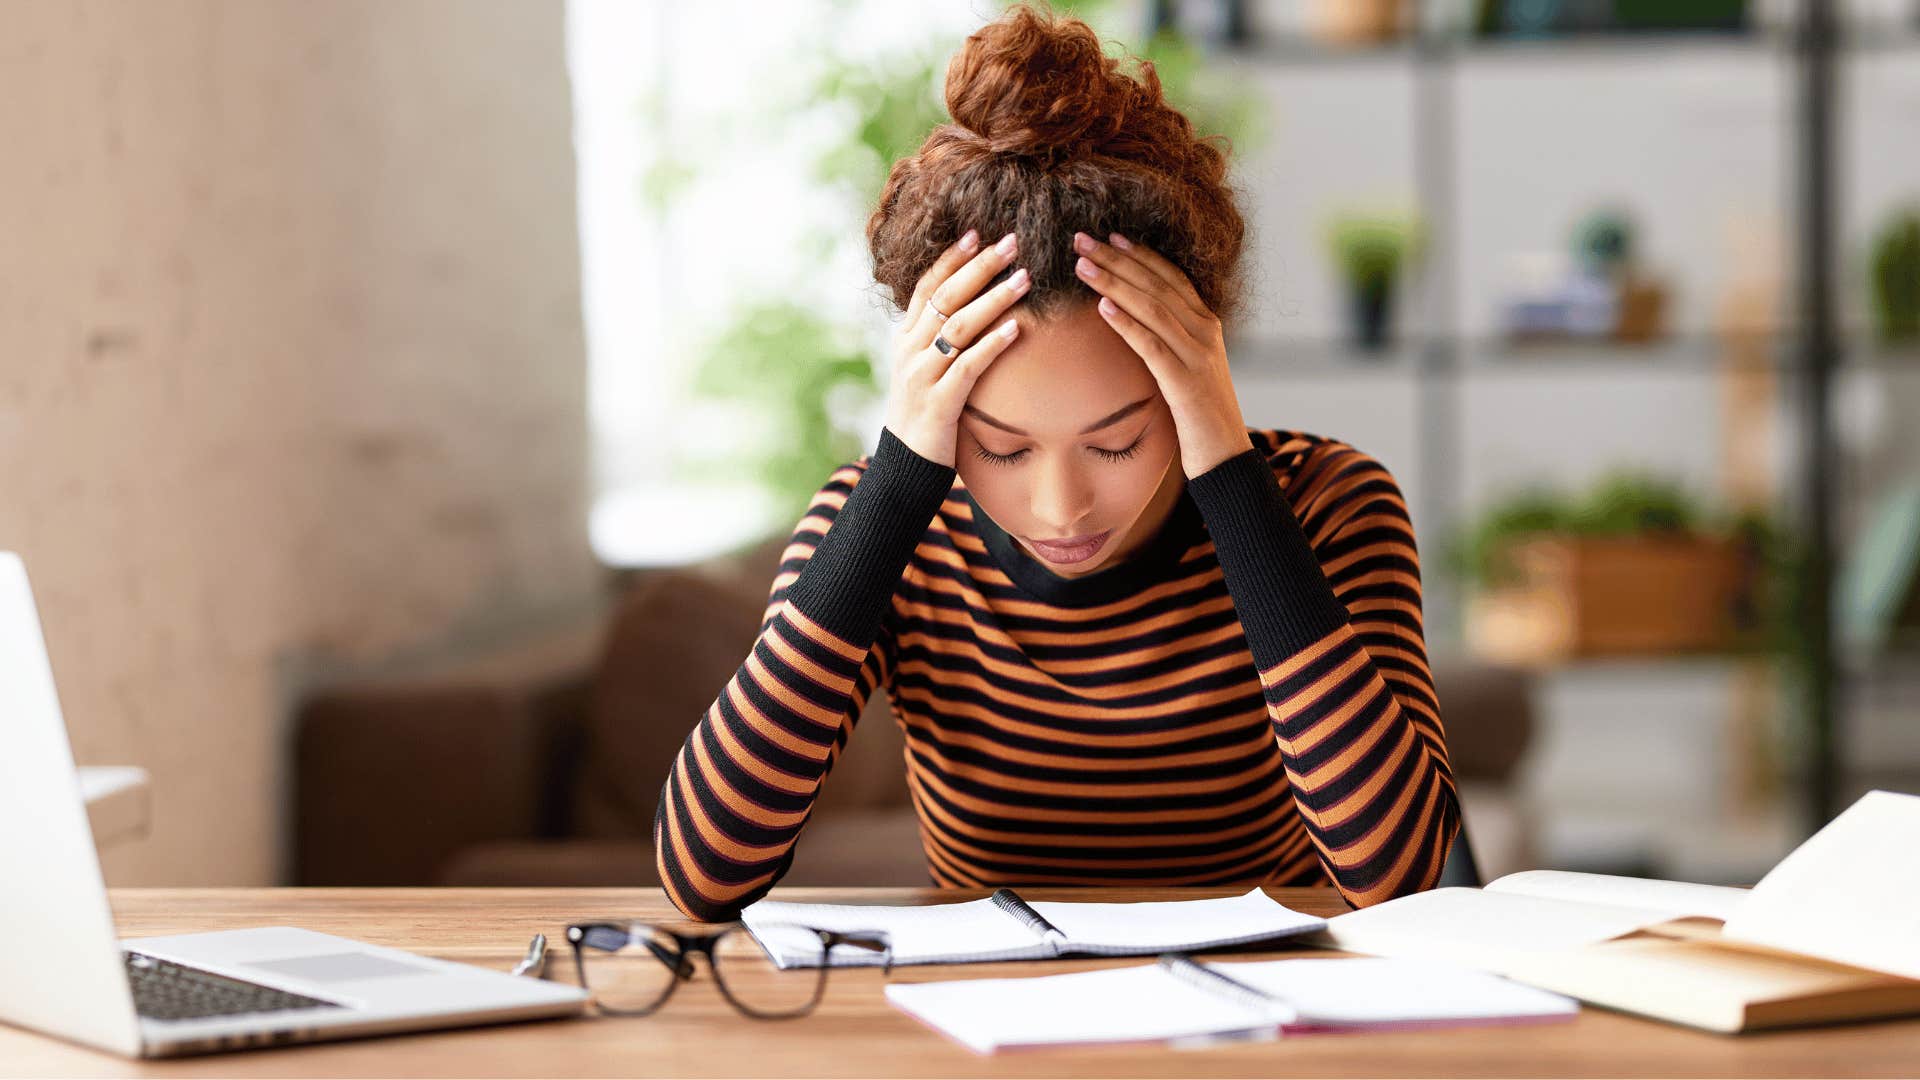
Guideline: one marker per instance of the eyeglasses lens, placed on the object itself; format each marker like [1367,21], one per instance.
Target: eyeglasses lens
[629,970]
[761,986]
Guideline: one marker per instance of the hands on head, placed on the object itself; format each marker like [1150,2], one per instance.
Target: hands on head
[1145,298]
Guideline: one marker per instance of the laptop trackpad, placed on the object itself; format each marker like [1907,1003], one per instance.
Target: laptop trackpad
[340,967]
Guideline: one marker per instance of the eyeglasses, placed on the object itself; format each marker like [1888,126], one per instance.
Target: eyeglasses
[632,968]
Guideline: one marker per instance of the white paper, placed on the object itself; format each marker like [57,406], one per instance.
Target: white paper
[1850,893]
[1176,925]
[1679,898]
[978,930]
[1114,1005]
[1474,927]
[918,933]
[1147,1002]
[1373,990]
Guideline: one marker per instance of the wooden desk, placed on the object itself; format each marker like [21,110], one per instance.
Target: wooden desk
[855,1032]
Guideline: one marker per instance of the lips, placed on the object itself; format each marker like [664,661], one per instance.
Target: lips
[1073,549]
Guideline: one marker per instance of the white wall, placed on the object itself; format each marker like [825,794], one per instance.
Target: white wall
[293,375]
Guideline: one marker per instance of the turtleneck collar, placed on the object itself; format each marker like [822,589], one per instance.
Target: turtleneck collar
[1147,566]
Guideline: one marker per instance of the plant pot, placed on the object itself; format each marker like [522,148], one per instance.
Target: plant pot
[1355,22]
[1610,596]
[1371,305]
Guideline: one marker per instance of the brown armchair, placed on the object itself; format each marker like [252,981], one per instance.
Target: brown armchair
[542,764]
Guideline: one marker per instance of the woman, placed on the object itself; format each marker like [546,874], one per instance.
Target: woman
[1129,641]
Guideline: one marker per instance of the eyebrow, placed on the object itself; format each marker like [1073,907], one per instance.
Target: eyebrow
[1107,421]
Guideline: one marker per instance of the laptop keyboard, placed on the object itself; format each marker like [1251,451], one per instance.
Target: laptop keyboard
[163,990]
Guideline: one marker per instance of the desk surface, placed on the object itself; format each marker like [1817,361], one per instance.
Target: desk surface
[855,1032]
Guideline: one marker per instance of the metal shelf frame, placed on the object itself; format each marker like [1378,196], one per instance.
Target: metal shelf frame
[1811,353]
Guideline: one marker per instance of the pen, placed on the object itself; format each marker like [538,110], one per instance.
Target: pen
[1197,974]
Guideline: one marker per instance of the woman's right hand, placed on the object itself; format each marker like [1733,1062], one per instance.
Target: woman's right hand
[928,390]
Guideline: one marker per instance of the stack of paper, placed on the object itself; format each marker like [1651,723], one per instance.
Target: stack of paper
[1271,998]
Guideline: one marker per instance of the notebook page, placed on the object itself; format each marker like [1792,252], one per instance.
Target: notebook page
[1848,893]
[1113,1005]
[1473,926]
[1174,925]
[1373,990]
[920,934]
[1676,897]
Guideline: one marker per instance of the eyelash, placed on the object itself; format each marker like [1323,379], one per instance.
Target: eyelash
[992,458]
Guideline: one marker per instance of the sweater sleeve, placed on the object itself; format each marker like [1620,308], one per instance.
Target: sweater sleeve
[1325,579]
[745,780]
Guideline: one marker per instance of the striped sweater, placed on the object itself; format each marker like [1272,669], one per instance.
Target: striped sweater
[1244,699]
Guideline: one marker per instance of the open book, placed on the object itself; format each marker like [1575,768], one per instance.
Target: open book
[1005,927]
[1186,1000]
[1831,933]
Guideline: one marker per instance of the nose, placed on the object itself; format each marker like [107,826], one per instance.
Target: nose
[1062,498]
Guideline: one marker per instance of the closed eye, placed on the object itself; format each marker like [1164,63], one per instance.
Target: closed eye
[1104,454]
[992,458]
[1125,452]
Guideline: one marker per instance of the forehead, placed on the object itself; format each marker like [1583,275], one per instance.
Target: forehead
[1062,374]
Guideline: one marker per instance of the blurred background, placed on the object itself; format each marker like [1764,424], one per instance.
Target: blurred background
[403,402]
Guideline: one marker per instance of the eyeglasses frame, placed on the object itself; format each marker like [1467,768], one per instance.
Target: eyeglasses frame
[686,944]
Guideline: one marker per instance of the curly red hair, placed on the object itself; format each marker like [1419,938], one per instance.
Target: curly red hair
[1049,136]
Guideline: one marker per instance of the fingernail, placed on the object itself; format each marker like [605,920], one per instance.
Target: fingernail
[1120,242]
[1009,328]
[1083,243]
[971,240]
[1008,243]
[1019,280]
[1087,269]
[1107,306]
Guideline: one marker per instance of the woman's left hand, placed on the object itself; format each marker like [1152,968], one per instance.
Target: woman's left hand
[1154,308]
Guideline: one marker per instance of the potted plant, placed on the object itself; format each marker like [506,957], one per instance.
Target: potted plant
[1634,566]
[1896,277]
[1371,250]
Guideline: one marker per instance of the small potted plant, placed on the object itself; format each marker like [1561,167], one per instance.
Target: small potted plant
[1634,566]
[1896,278]
[1372,250]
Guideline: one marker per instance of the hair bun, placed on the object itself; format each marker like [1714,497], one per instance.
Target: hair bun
[1037,87]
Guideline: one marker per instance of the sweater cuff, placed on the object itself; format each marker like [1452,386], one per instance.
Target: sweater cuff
[1281,595]
[851,576]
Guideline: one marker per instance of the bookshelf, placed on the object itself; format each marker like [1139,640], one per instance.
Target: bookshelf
[1427,369]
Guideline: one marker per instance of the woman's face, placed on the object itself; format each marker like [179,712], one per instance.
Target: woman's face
[1066,438]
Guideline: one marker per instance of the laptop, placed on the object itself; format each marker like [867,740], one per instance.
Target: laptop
[64,972]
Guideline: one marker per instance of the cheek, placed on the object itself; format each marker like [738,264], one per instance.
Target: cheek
[1127,486]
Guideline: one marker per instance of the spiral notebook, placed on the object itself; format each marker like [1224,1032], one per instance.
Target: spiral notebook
[1194,1004]
[1006,927]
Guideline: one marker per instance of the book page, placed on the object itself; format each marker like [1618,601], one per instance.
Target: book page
[1173,925]
[1848,893]
[1675,897]
[1112,1005]
[1475,927]
[919,934]
[1375,990]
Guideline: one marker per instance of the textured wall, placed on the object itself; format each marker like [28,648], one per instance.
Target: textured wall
[291,368]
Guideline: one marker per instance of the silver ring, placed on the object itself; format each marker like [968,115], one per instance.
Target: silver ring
[946,347]
[943,315]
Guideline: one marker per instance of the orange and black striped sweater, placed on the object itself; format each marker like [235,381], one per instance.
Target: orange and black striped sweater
[1245,699]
